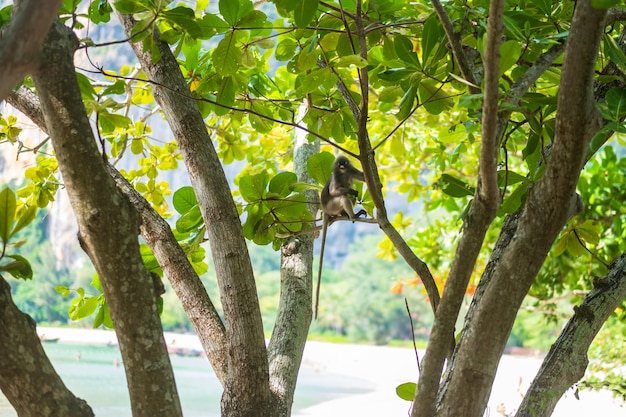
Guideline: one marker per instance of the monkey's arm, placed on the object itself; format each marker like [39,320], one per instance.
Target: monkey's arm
[340,191]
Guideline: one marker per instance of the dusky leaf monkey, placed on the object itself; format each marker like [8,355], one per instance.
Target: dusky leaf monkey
[336,198]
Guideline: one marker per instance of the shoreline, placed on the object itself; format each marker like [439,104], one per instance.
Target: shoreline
[381,367]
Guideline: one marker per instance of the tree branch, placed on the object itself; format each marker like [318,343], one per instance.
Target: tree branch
[457,47]
[481,214]
[374,184]
[246,384]
[567,359]
[21,42]
[293,320]
[184,279]
[26,375]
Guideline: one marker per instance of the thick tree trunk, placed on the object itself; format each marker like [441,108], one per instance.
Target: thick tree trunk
[543,216]
[294,311]
[246,385]
[108,228]
[27,377]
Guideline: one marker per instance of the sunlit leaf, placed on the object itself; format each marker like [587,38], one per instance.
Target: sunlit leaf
[305,12]
[20,267]
[282,182]
[227,55]
[253,187]
[184,199]
[455,187]
[406,391]
[319,166]
[7,213]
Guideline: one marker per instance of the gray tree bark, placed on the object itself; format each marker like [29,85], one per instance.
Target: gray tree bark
[21,41]
[567,359]
[294,310]
[108,229]
[246,383]
[27,377]
[545,212]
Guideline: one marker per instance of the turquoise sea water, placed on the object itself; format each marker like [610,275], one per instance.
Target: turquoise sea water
[95,374]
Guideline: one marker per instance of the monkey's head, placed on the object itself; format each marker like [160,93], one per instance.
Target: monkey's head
[343,168]
[342,163]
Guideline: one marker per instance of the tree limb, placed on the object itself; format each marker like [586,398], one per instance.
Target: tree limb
[457,47]
[184,279]
[293,320]
[27,377]
[567,359]
[246,385]
[374,184]
[21,42]
[481,214]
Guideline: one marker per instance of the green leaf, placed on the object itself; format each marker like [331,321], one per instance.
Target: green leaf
[252,187]
[225,95]
[110,121]
[404,49]
[261,120]
[406,103]
[26,217]
[346,61]
[282,183]
[227,56]
[263,232]
[455,187]
[433,98]
[616,102]
[20,267]
[128,6]
[396,74]
[190,220]
[184,18]
[514,201]
[7,213]
[148,258]
[431,35]
[86,308]
[406,391]
[86,87]
[319,166]
[100,11]
[119,87]
[305,12]
[605,4]
[229,9]
[95,281]
[286,49]
[614,51]
[510,52]
[509,178]
[471,101]
[107,321]
[63,290]
[254,19]
[98,318]
[184,199]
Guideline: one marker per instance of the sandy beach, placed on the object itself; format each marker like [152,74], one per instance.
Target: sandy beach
[382,368]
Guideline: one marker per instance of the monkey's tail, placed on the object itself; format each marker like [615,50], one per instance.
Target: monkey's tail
[319,273]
